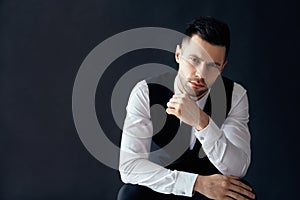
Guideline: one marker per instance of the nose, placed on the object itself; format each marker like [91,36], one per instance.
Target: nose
[201,70]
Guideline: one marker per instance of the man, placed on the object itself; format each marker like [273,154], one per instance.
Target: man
[215,175]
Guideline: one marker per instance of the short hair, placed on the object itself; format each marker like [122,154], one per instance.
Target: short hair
[211,30]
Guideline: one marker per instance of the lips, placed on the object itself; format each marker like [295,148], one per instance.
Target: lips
[196,84]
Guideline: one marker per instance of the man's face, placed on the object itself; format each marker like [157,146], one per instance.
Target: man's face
[200,63]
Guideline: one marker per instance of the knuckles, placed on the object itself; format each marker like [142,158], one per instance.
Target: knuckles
[225,184]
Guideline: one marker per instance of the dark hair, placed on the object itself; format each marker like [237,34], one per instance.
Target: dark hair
[211,30]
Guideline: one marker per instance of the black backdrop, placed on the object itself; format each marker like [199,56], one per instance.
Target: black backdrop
[43,43]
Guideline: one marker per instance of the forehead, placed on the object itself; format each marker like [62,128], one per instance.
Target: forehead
[195,45]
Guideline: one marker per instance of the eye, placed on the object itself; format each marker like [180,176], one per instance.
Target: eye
[211,65]
[194,61]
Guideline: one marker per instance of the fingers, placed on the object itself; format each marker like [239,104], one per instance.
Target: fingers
[184,109]
[236,196]
[176,99]
[227,198]
[171,111]
[236,192]
[179,95]
[235,181]
[174,105]
[238,188]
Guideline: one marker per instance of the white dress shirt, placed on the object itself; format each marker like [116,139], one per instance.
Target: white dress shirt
[227,148]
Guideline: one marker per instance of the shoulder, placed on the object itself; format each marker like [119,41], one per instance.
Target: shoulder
[238,89]
[157,84]
[140,91]
[165,79]
[138,102]
[140,86]
[239,94]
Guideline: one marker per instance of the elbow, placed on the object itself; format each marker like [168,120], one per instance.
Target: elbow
[238,167]
[130,168]
[237,172]
[125,177]
[245,164]
[126,170]
[242,164]
[242,170]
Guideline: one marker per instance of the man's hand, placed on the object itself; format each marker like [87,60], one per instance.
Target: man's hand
[184,108]
[221,187]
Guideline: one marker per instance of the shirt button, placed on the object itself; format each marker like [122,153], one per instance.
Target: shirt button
[201,138]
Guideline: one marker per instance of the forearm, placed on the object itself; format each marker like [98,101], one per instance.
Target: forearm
[230,154]
[135,166]
[228,158]
[141,171]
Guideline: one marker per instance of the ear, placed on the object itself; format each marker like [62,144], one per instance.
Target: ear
[223,66]
[177,53]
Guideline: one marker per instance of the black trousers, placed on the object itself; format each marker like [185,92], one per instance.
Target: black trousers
[137,192]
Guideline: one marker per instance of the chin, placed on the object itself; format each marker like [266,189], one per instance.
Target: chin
[193,93]
[200,93]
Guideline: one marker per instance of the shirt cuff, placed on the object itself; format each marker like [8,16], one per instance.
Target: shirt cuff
[209,135]
[184,185]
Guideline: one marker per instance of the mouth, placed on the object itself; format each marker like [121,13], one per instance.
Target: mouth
[197,84]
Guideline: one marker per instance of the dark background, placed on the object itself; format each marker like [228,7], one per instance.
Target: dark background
[43,43]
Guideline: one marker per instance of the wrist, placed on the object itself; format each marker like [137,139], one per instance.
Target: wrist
[203,121]
[198,184]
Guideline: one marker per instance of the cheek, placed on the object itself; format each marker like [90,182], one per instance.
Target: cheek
[211,79]
[185,71]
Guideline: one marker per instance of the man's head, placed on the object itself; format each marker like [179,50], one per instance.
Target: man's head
[202,55]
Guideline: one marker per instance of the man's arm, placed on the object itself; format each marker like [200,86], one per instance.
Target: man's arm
[135,167]
[228,147]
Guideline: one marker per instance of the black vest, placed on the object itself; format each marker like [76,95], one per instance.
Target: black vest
[170,146]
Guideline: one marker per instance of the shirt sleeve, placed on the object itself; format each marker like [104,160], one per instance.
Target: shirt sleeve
[228,147]
[134,166]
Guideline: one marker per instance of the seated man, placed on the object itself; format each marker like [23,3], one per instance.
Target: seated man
[191,156]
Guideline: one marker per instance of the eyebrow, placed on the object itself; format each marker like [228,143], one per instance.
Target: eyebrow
[216,63]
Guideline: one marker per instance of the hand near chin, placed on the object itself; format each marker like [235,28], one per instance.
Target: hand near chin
[186,109]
